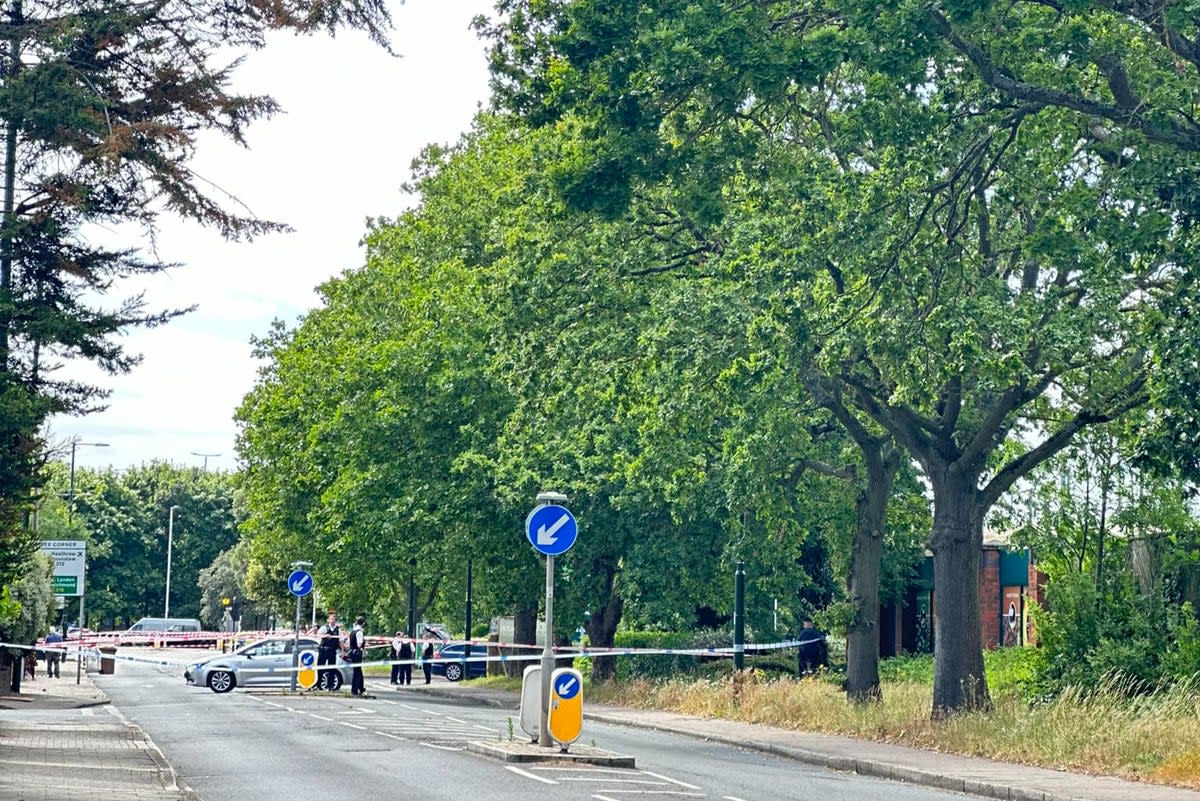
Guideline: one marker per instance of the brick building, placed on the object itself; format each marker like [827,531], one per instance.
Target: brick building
[1009,582]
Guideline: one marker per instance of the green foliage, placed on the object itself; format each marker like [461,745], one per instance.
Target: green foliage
[664,665]
[124,517]
[28,603]
[103,103]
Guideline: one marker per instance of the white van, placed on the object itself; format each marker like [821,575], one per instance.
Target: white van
[143,632]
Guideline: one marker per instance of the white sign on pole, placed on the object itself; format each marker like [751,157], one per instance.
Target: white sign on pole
[69,557]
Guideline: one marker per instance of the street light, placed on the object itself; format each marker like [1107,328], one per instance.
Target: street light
[206,457]
[75,444]
[170,545]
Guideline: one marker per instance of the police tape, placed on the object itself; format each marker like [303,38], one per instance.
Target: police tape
[562,653]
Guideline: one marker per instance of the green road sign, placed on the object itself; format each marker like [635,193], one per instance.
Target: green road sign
[65,585]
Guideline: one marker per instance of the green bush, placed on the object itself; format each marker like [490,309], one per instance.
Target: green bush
[664,665]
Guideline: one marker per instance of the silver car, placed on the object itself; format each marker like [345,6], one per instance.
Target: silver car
[264,663]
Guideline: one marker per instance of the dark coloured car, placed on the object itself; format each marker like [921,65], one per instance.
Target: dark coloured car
[448,661]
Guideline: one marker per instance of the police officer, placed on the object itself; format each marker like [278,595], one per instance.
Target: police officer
[330,641]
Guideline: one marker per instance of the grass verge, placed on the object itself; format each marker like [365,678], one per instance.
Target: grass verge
[1100,730]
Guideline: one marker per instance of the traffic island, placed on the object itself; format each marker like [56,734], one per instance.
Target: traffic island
[523,751]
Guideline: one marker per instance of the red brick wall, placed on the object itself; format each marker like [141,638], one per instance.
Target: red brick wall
[989,597]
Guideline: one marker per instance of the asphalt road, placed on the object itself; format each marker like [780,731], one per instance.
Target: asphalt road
[272,747]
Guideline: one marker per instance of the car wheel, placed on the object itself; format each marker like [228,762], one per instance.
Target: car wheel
[330,681]
[454,672]
[221,681]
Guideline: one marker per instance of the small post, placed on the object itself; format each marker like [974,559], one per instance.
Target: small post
[412,599]
[547,657]
[296,634]
[467,626]
[739,616]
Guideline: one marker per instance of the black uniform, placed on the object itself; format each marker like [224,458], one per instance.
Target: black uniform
[427,664]
[402,674]
[354,651]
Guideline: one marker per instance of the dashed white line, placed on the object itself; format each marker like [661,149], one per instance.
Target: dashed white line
[732,798]
[669,779]
[533,776]
[603,798]
[609,779]
[440,747]
[408,706]
[456,720]
[320,717]
[352,725]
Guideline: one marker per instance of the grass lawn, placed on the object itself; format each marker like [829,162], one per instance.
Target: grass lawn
[1152,737]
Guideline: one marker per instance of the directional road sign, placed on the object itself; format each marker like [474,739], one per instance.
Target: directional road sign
[307,675]
[566,705]
[551,529]
[300,583]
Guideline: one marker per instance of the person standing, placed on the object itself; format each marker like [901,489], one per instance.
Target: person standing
[330,642]
[812,653]
[354,655]
[427,661]
[53,653]
[397,643]
[404,653]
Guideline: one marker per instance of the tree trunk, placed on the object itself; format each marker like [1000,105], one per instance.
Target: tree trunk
[862,637]
[959,684]
[524,633]
[601,629]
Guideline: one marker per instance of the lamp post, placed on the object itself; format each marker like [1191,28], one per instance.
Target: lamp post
[170,546]
[71,506]
[206,457]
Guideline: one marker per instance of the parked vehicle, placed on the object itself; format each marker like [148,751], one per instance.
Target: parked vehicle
[144,631]
[263,663]
[444,663]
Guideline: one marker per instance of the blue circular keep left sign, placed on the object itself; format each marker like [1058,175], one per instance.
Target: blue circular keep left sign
[551,529]
[307,659]
[300,583]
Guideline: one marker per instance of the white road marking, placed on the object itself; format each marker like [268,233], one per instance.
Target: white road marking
[270,703]
[456,720]
[485,728]
[320,717]
[672,781]
[352,725]
[603,798]
[608,779]
[408,706]
[533,776]
[623,771]
[733,798]
[659,792]
[87,713]
[440,747]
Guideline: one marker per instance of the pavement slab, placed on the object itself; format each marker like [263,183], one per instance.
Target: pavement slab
[56,745]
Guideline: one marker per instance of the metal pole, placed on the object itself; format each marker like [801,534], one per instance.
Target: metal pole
[296,645]
[739,617]
[547,657]
[170,546]
[467,627]
[71,505]
[79,651]
[412,600]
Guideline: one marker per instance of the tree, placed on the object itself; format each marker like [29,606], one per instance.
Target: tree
[958,304]
[101,104]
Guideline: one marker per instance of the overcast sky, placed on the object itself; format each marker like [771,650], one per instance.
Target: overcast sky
[354,118]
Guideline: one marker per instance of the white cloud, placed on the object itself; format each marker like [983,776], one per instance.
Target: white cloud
[355,118]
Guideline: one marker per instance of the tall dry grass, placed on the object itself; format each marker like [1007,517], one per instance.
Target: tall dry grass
[1102,730]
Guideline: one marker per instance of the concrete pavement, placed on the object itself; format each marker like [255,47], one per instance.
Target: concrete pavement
[62,741]
[976,776]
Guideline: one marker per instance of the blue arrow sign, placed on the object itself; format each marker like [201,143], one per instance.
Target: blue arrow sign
[307,659]
[567,687]
[300,583]
[551,529]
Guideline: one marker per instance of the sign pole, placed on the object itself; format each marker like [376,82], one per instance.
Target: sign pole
[299,583]
[296,645]
[79,650]
[547,656]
